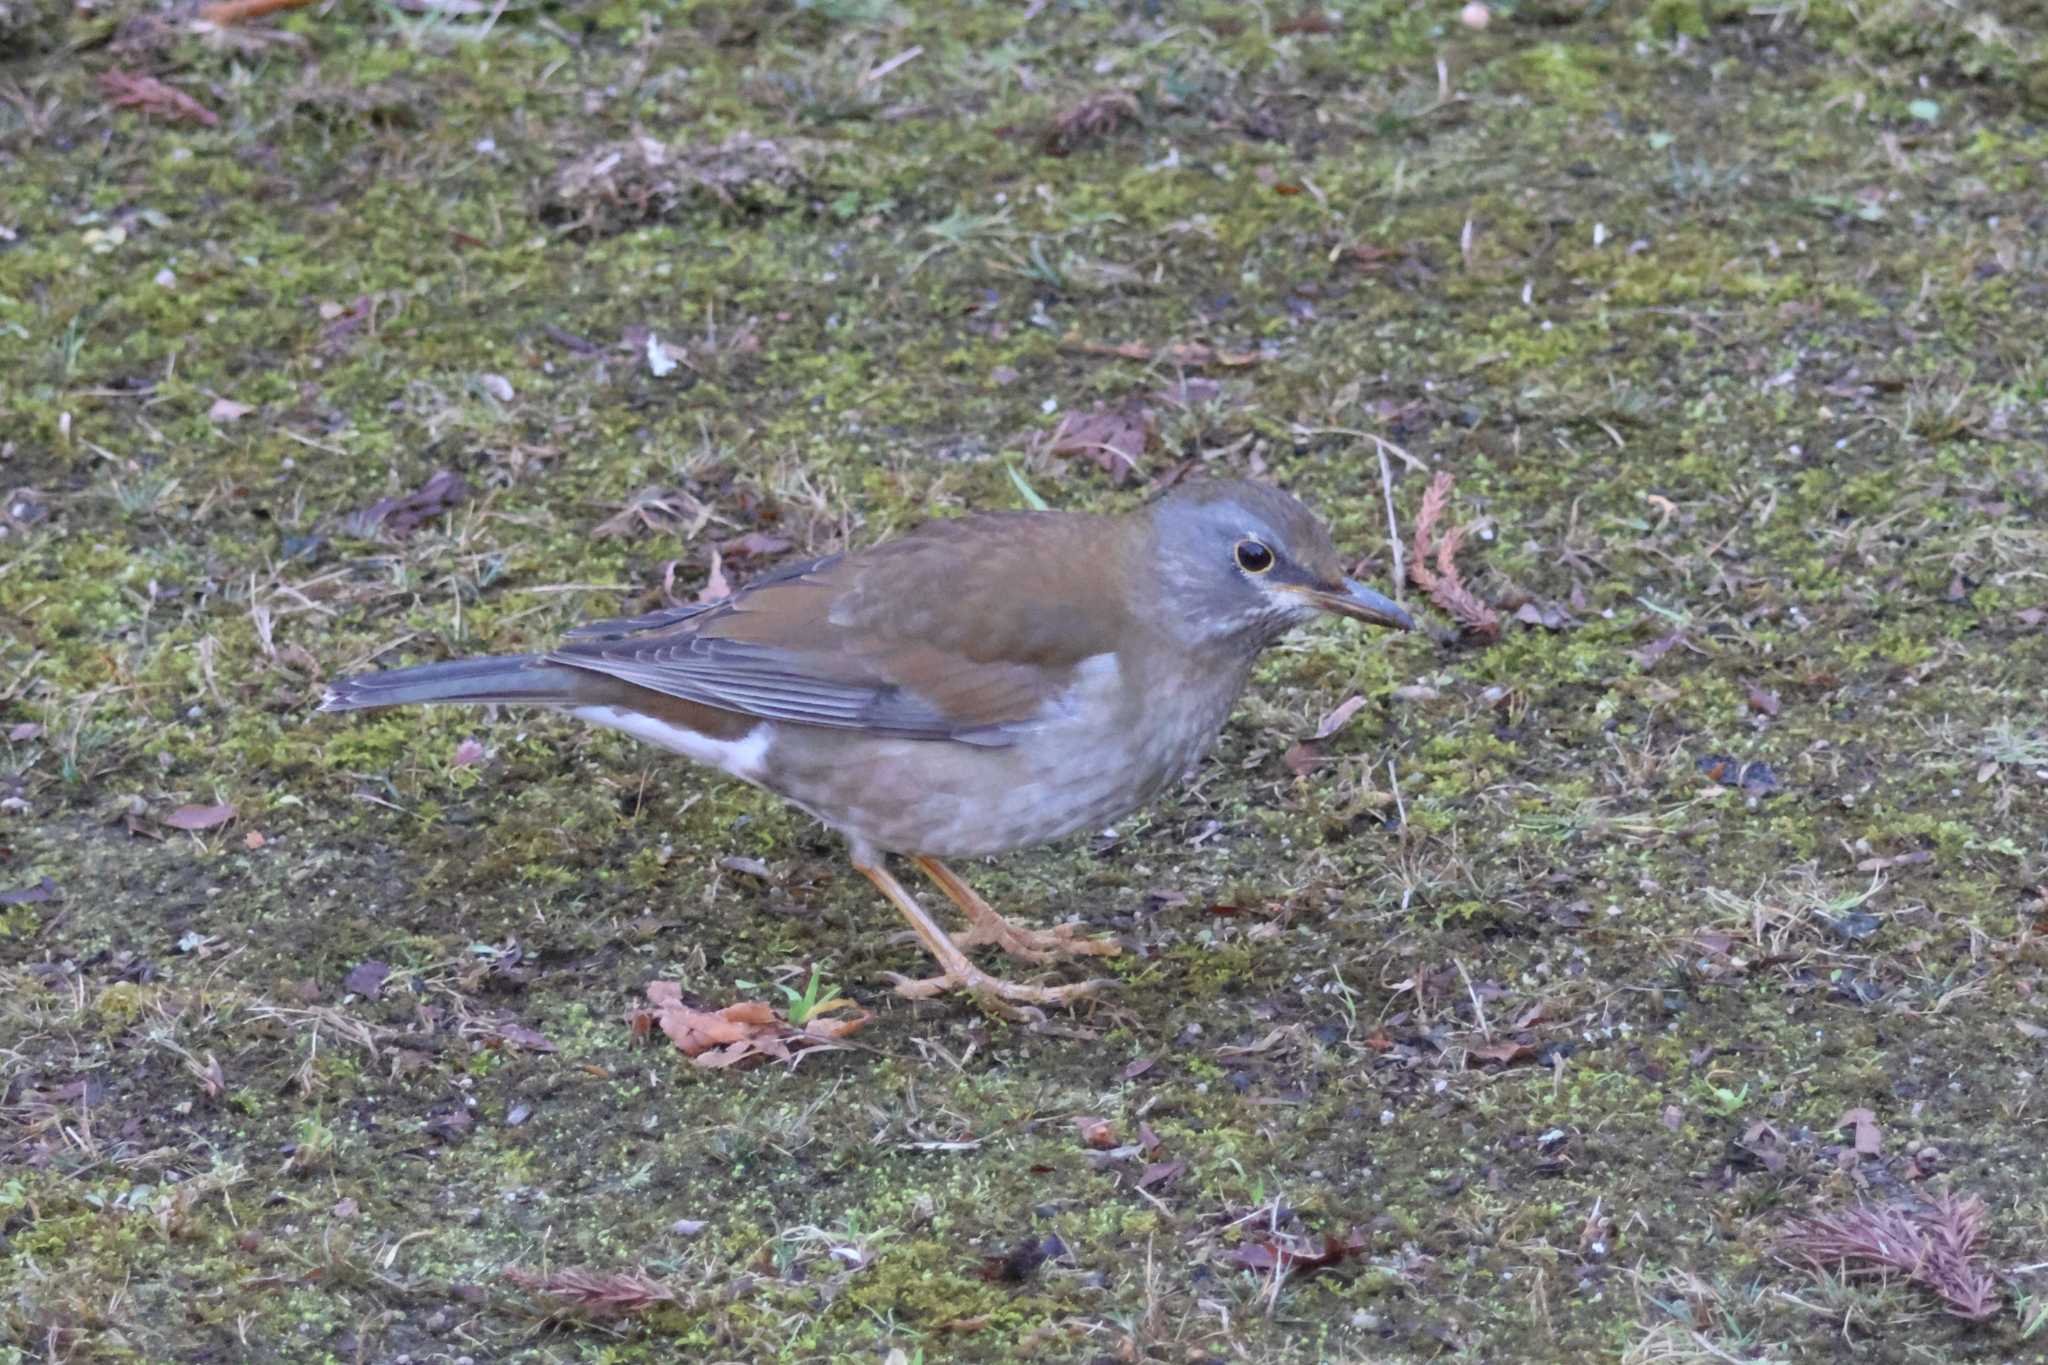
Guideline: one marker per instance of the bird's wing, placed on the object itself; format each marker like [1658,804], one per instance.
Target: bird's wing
[968,629]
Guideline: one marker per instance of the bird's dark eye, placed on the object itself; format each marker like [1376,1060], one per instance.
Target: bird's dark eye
[1253,556]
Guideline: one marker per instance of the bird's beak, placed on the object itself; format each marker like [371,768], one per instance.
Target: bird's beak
[1361,603]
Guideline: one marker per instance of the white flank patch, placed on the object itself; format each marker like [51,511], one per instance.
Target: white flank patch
[745,757]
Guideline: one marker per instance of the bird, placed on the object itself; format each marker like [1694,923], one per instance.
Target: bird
[978,685]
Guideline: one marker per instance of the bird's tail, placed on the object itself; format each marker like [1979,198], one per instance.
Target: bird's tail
[515,678]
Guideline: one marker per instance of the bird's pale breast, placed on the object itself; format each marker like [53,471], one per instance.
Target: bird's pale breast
[1112,745]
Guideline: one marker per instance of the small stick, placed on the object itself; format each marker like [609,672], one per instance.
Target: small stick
[1393,525]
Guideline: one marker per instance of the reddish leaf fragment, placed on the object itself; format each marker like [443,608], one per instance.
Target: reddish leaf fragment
[366,979]
[1432,565]
[1096,1132]
[198,818]
[1115,438]
[148,95]
[1656,649]
[604,1293]
[1161,1173]
[468,754]
[1761,700]
[225,410]
[1935,1246]
[1138,1067]
[746,1032]
[1296,1256]
[1308,21]
[1502,1051]
[1303,757]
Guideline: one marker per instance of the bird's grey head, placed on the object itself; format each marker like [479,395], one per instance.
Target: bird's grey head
[1239,564]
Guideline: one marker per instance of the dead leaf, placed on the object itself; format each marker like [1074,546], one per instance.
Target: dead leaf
[468,754]
[1869,1141]
[228,410]
[1139,1067]
[1095,117]
[1293,1255]
[1913,859]
[1115,438]
[1096,1132]
[2030,617]
[748,1031]
[253,840]
[1548,615]
[1302,757]
[366,979]
[24,732]
[402,516]
[197,818]
[520,1036]
[1161,1173]
[1761,700]
[148,95]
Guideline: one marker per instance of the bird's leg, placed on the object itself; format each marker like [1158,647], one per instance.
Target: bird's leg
[1005,997]
[984,925]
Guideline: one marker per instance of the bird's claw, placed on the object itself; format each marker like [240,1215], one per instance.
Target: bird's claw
[1010,999]
[1036,946]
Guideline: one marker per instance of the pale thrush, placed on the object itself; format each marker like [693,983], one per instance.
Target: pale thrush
[981,684]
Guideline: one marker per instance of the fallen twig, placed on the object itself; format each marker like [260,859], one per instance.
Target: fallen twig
[1445,588]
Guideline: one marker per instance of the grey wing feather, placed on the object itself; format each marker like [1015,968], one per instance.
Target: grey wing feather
[767,682]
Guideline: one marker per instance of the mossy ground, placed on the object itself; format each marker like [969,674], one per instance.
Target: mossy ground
[1728,323]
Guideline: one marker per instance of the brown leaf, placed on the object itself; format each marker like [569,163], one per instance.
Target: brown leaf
[198,818]
[1292,1255]
[1761,700]
[402,516]
[748,1031]
[1303,757]
[1341,716]
[520,1036]
[1869,1141]
[1115,438]
[226,410]
[1502,1051]
[1161,1172]
[1308,21]
[148,95]
[2031,617]
[1138,1067]
[1096,1132]
[1656,649]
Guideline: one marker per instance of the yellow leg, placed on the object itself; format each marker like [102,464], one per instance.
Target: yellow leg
[985,925]
[957,973]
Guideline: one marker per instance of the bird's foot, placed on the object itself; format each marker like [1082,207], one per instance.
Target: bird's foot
[1007,998]
[1033,945]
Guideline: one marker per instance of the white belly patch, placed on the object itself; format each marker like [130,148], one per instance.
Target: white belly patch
[745,757]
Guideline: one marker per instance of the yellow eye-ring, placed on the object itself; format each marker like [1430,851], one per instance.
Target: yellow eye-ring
[1253,556]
